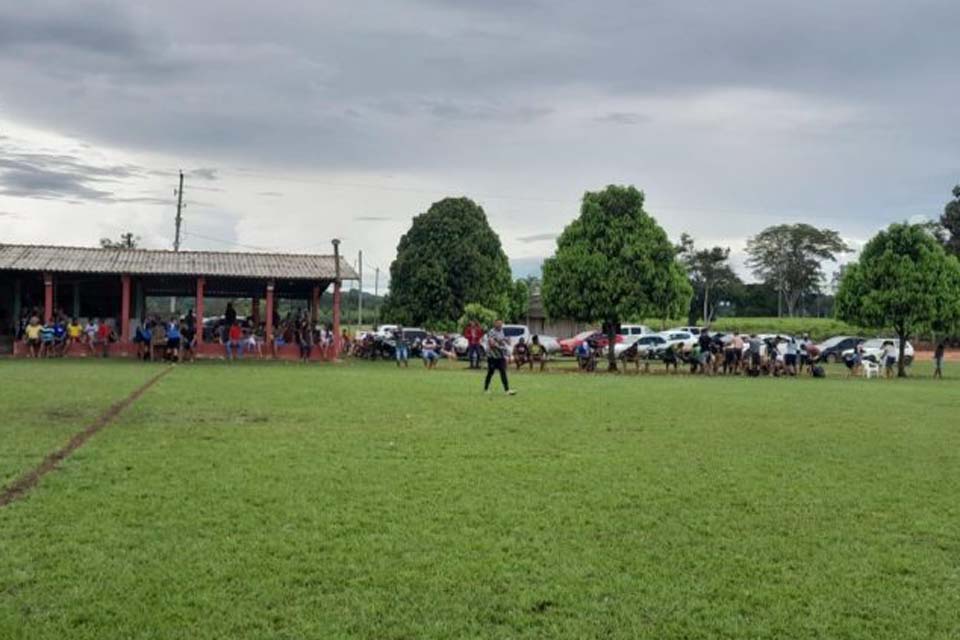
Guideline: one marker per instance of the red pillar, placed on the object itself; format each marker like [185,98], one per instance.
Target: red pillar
[198,310]
[315,305]
[268,333]
[125,309]
[47,297]
[336,319]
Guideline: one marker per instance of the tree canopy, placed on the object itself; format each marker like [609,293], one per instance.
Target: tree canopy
[950,221]
[127,241]
[613,262]
[790,256]
[711,276]
[904,280]
[448,258]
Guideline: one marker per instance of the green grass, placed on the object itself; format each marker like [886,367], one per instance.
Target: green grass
[359,501]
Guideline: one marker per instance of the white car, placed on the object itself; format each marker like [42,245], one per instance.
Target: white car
[873,350]
[694,331]
[682,339]
[646,344]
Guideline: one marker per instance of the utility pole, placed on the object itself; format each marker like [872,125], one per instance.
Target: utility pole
[360,293]
[176,237]
[376,289]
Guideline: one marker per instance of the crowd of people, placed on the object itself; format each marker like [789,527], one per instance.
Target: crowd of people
[52,339]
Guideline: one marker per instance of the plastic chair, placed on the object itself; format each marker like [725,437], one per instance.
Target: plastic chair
[870,369]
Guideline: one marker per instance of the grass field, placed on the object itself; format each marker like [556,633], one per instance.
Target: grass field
[359,501]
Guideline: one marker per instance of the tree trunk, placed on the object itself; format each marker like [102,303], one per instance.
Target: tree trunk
[901,365]
[706,305]
[612,343]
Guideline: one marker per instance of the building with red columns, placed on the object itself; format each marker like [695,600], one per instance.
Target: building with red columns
[113,283]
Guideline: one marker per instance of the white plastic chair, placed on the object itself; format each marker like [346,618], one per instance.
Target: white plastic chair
[870,369]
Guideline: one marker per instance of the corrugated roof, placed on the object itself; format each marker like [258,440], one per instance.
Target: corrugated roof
[17,257]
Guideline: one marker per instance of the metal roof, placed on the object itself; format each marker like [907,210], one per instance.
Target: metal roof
[17,257]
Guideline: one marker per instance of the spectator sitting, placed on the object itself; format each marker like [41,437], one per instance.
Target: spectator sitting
[537,353]
[429,352]
[448,350]
[521,353]
[586,358]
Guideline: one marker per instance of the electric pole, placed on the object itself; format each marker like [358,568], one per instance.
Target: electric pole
[360,294]
[176,237]
[376,289]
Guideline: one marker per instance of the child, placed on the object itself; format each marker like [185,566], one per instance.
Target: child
[59,337]
[46,340]
[90,332]
[31,335]
[158,341]
[305,338]
[74,332]
[537,353]
[173,339]
[141,338]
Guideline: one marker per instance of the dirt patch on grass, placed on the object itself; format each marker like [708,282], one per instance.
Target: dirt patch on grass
[22,485]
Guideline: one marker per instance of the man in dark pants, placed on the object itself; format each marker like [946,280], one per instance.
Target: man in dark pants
[498,348]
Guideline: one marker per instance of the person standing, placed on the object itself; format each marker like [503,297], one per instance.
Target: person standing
[498,349]
[938,360]
[474,334]
[402,351]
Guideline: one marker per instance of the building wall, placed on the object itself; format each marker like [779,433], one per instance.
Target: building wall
[559,328]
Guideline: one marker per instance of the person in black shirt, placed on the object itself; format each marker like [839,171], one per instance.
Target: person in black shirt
[938,360]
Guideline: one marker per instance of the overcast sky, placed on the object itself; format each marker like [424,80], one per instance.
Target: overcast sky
[297,122]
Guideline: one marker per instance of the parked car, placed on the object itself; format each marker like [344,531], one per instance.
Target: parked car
[513,333]
[694,331]
[832,349]
[630,332]
[682,339]
[873,350]
[597,338]
[646,345]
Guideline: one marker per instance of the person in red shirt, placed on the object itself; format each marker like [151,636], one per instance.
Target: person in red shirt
[104,335]
[235,341]
[474,334]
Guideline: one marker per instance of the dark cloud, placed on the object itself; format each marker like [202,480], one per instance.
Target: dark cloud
[203,173]
[620,117]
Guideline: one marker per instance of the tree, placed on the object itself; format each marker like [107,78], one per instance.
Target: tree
[904,280]
[790,257]
[711,275]
[519,299]
[612,262]
[449,257]
[127,241]
[671,296]
[950,221]
[479,313]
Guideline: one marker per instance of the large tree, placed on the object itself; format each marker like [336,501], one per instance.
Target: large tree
[450,257]
[950,221]
[711,276]
[790,257]
[905,280]
[611,263]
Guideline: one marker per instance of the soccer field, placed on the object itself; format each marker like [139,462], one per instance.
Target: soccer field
[360,501]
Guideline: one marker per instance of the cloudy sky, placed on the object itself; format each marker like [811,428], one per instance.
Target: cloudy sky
[297,122]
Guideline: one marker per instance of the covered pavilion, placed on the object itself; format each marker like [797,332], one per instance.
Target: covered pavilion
[113,283]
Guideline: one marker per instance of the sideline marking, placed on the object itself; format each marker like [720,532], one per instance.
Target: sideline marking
[20,487]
